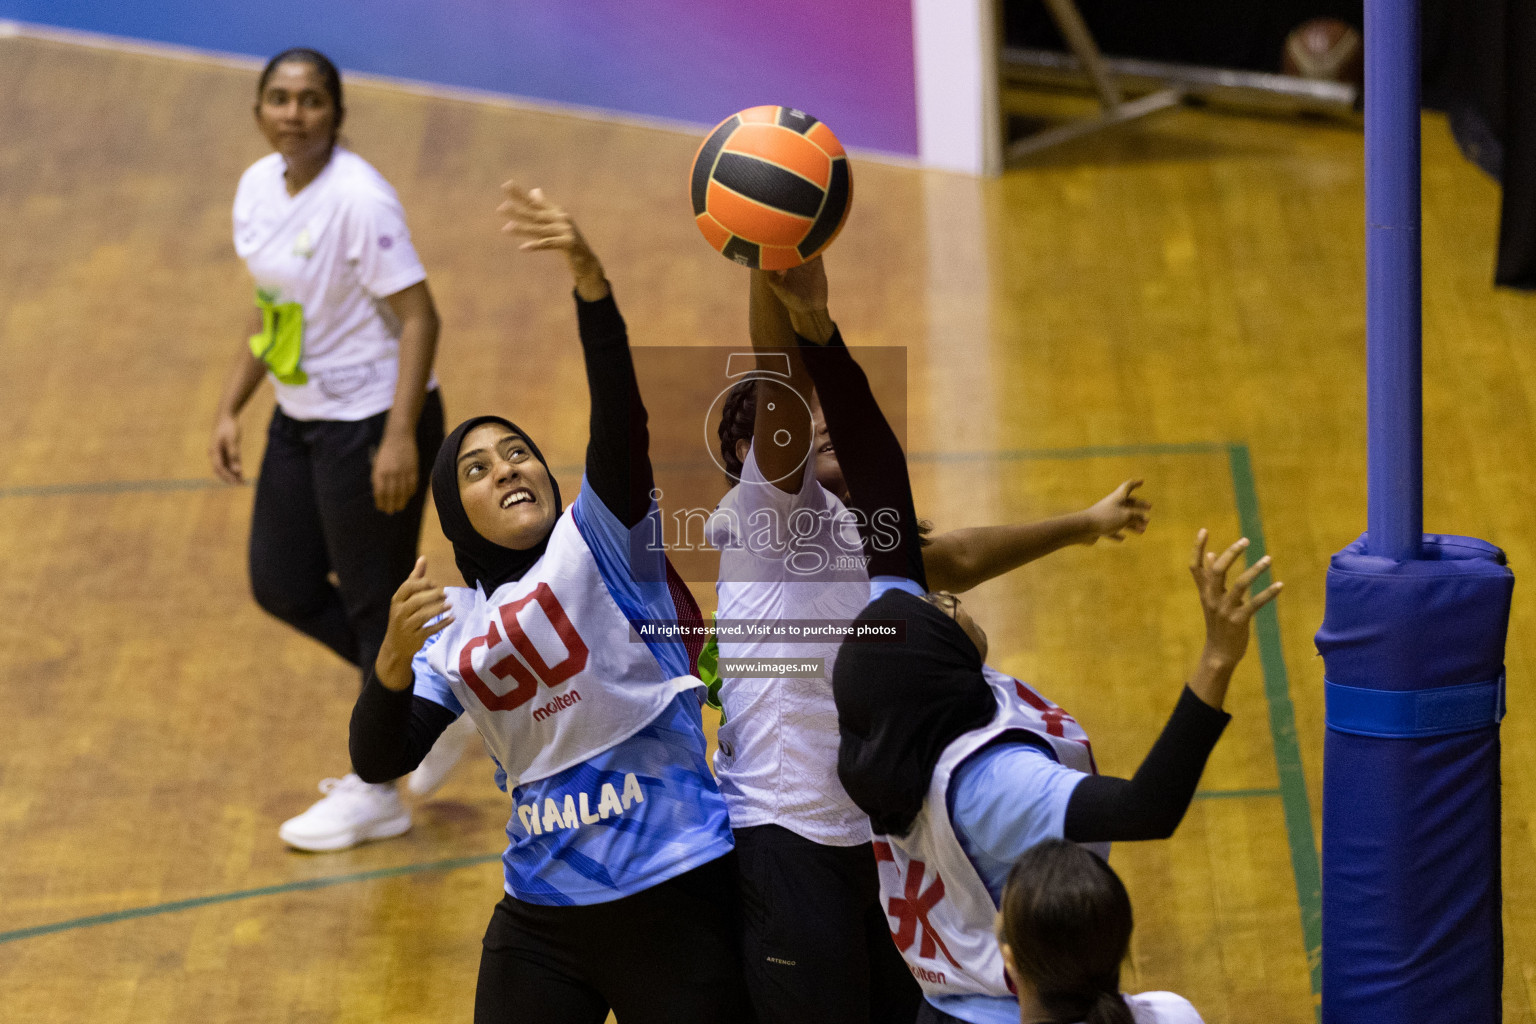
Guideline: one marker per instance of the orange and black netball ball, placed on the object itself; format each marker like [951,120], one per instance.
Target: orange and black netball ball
[771,187]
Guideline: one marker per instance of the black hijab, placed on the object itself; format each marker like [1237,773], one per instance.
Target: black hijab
[900,704]
[482,562]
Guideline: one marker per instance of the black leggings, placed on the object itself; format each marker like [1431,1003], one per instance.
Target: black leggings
[315,515]
[667,955]
[816,942]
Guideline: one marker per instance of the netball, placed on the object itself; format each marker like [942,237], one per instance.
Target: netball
[770,187]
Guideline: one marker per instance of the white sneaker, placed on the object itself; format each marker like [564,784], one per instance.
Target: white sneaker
[435,768]
[352,811]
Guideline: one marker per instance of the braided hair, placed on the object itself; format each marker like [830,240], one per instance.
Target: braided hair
[737,419]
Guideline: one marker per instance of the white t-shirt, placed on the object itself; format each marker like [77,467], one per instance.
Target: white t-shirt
[338,249]
[777,762]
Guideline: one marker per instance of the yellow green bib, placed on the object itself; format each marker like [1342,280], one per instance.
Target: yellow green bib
[281,342]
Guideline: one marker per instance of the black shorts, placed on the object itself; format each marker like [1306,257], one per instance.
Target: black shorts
[667,955]
[816,943]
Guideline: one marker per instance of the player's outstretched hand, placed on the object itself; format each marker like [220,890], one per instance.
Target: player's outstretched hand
[224,450]
[803,291]
[1116,512]
[411,611]
[1228,611]
[543,225]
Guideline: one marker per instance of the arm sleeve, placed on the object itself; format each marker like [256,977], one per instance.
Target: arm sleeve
[392,731]
[1151,804]
[379,244]
[873,463]
[618,445]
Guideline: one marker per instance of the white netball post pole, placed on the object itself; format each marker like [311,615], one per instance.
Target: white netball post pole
[955,53]
[955,49]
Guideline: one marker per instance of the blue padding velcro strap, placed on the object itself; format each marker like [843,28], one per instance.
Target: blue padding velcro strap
[1404,714]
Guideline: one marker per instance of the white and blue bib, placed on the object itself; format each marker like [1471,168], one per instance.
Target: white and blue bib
[939,909]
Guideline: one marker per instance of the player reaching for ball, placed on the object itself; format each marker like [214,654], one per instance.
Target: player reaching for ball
[346,330]
[815,941]
[620,889]
[960,767]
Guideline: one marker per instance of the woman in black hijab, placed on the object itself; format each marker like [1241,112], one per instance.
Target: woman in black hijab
[960,767]
[618,876]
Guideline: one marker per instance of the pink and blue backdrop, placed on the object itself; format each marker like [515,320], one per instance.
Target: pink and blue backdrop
[848,62]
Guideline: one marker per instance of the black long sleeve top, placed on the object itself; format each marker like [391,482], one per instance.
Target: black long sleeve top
[1151,803]
[873,464]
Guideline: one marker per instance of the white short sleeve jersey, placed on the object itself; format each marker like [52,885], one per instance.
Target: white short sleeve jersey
[339,248]
[786,556]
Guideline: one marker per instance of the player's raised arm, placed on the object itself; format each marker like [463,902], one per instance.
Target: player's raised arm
[618,462]
[781,430]
[1151,804]
[869,452]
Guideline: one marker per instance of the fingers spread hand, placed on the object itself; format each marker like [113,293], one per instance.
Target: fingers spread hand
[547,241]
[1243,582]
[1197,556]
[1224,561]
[1265,596]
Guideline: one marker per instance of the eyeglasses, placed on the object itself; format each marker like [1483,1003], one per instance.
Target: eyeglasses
[944,601]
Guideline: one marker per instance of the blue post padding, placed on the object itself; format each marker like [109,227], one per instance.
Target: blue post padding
[1393,304]
[1411,866]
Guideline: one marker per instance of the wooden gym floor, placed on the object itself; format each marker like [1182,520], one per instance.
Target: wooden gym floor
[1180,300]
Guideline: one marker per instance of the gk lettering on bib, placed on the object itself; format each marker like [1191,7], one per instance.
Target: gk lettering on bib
[545,665]
[939,910]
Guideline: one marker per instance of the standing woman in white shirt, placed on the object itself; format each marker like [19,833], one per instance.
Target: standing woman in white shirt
[1065,928]
[347,331]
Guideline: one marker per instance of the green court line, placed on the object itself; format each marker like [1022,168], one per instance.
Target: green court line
[1282,726]
[1233,794]
[453,864]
